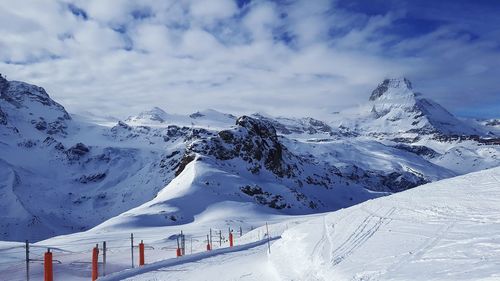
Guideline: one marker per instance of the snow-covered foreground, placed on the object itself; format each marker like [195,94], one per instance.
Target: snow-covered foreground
[447,230]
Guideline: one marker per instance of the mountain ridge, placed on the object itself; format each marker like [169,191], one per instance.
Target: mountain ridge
[89,173]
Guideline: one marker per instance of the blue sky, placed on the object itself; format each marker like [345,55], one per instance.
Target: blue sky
[282,57]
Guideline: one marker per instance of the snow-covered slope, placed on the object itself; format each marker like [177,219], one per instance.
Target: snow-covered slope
[446,230]
[405,236]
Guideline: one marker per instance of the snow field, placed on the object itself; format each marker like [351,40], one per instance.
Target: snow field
[447,230]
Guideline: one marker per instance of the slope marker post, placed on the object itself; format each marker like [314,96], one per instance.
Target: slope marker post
[47,264]
[104,258]
[178,251]
[27,246]
[268,239]
[210,238]
[141,253]
[183,244]
[95,264]
[132,248]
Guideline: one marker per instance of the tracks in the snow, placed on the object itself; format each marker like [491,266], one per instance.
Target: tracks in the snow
[365,230]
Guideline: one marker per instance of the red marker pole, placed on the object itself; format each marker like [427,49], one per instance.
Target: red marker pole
[230,239]
[47,266]
[95,258]
[178,252]
[141,253]
[208,244]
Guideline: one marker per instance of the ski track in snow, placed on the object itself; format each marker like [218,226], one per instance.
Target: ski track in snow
[368,227]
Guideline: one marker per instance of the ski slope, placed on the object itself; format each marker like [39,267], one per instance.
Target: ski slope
[447,230]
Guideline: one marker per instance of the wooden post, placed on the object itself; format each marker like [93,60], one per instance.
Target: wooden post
[47,265]
[268,239]
[178,252]
[141,253]
[183,244]
[132,248]
[104,258]
[27,246]
[95,264]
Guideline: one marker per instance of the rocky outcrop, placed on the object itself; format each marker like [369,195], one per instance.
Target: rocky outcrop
[254,141]
[77,151]
[3,117]
[306,125]
[418,149]
[23,102]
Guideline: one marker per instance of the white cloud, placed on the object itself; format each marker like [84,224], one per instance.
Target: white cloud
[211,10]
[260,20]
[154,38]
[189,55]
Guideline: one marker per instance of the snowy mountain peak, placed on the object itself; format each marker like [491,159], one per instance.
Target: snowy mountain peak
[398,85]
[25,107]
[259,127]
[395,108]
[155,114]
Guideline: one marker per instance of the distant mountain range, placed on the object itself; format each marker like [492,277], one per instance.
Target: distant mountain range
[61,173]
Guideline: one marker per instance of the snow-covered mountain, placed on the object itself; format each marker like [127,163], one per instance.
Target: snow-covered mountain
[62,173]
[395,109]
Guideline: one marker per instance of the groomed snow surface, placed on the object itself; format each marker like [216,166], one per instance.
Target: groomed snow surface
[446,230]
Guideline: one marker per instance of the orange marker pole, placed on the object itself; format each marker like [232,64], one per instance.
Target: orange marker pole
[230,239]
[95,257]
[47,266]
[141,253]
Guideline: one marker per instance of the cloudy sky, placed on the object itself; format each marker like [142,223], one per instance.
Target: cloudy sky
[295,58]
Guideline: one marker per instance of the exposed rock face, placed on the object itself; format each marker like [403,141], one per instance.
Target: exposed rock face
[254,141]
[385,182]
[396,182]
[4,84]
[390,83]
[22,102]
[22,95]
[493,122]
[419,150]
[77,151]
[3,117]
[304,125]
